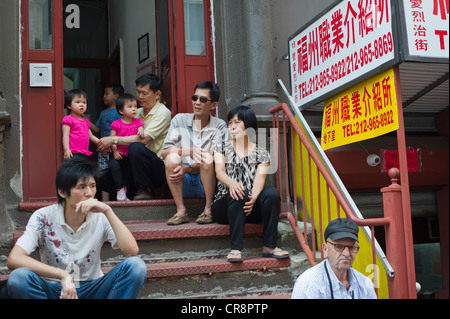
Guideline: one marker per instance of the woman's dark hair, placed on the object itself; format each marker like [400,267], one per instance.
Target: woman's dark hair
[122,99]
[73,94]
[71,172]
[214,91]
[246,115]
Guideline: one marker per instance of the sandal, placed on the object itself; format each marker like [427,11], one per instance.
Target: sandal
[272,255]
[204,218]
[235,259]
[143,194]
[178,220]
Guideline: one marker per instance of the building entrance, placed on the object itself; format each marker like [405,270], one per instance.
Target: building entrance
[90,43]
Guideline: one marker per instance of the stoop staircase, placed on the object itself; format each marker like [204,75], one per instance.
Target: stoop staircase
[189,261]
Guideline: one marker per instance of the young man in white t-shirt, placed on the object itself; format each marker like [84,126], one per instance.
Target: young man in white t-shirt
[70,236]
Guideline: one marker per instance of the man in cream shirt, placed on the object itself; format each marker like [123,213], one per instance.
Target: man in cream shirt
[145,151]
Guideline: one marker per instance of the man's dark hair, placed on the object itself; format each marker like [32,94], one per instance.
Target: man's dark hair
[71,172]
[214,91]
[152,80]
[116,88]
[122,99]
[73,94]
[246,115]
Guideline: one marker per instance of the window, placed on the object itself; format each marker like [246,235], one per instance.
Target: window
[194,27]
[40,21]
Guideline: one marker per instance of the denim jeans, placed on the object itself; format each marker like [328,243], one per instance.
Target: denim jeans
[192,186]
[124,281]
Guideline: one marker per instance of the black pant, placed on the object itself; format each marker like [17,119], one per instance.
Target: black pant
[147,168]
[121,171]
[266,210]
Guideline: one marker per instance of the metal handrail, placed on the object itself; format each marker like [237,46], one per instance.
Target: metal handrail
[332,180]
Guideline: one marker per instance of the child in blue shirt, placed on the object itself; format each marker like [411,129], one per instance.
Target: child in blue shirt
[107,116]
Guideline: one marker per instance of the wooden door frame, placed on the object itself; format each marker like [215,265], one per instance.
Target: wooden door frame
[180,48]
[171,33]
[55,57]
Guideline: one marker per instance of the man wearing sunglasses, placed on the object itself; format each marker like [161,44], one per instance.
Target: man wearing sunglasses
[334,277]
[187,153]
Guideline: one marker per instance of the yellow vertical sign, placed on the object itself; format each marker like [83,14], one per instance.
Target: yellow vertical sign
[364,111]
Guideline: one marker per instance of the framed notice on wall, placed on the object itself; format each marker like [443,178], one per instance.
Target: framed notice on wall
[143,44]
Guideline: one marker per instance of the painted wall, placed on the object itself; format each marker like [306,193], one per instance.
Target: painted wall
[129,20]
[288,16]
[9,86]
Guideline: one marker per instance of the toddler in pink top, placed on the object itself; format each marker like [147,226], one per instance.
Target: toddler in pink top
[76,132]
[128,125]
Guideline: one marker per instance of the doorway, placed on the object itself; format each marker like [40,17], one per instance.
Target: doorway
[114,41]
[194,48]
[181,55]
[86,53]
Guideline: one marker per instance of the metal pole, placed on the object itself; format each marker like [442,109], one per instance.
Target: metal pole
[404,182]
[395,238]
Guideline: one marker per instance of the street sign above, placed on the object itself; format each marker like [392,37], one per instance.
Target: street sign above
[350,42]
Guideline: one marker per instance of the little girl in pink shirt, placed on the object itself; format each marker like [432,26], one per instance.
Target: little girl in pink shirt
[76,132]
[128,125]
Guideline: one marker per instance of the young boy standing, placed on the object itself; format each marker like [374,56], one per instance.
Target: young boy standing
[103,124]
[107,116]
[70,236]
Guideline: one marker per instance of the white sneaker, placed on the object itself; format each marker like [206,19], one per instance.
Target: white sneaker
[122,194]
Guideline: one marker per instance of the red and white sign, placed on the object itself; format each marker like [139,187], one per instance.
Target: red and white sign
[391,160]
[427,30]
[352,39]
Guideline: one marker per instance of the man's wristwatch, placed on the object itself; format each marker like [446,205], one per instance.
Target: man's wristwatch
[190,169]
[116,140]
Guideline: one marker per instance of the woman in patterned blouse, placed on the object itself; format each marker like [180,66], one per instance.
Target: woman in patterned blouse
[241,169]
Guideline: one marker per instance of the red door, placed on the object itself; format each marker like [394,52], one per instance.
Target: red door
[194,48]
[42,103]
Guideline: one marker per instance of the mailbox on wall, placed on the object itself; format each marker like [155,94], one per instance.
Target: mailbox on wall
[41,75]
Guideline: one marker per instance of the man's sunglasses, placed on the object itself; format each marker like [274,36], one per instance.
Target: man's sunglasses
[203,99]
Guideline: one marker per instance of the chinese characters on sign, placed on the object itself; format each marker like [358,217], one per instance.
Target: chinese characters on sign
[352,39]
[391,160]
[364,111]
[427,27]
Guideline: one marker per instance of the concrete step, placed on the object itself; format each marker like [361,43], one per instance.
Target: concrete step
[143,210]
[211,276]
[206,278]
[159,230]
[189,260]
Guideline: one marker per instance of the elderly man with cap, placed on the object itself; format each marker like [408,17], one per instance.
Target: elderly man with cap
[334,277]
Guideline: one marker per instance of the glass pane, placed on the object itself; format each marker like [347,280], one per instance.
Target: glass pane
[90,81]
[194,27]
[40,25]
[89,40]
[165,71]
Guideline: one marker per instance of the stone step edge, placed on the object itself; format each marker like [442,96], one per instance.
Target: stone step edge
[239,295]
[266,292]
[33,206]
[148,231]
[189,268]
[211,266]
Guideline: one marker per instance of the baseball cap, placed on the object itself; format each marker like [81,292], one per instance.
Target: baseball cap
[341,228]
